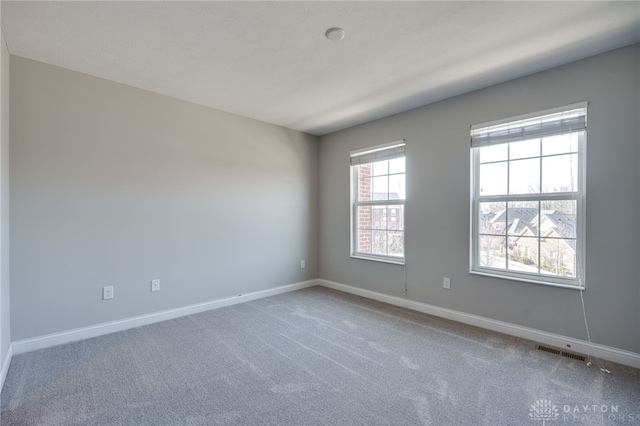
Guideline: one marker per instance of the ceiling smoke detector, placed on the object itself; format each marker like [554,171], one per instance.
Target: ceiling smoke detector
[334,34]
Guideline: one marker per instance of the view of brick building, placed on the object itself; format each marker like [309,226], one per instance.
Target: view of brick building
[380,227]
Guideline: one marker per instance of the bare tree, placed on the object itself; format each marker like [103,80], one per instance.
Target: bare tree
[492,250]
[555,253]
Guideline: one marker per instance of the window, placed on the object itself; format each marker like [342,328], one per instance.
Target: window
[527,184]
[377,203]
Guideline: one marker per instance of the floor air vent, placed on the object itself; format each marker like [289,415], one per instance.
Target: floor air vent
[550,350]
[573,356]
[561,353]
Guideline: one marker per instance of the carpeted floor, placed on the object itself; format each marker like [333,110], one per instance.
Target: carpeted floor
[314,356]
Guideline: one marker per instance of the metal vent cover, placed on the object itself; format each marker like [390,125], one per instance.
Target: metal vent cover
[550,350]
[561,353]
[573,356]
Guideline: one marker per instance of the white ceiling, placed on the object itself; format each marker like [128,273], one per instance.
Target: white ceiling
[270,60]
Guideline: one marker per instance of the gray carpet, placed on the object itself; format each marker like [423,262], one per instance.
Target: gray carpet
[313,356]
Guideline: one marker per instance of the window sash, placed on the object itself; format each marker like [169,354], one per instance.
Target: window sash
[357,253]
[355,231]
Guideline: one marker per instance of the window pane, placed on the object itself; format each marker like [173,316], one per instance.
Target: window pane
[560,173]
[364,170]
[522,217]
[397,187]
[381,168]
[493,179]
[364,189]
[396,243]
[395,218]
[364,216]
[492,251]
[379,245]
[489,218]
[560,144]
[558,257]
[564,206]
[397,165]
[363,238]
[379,217]
[381,188]
[523,254]
[524,176]
[561,221]
[524,149]
[493,153]
[364,241]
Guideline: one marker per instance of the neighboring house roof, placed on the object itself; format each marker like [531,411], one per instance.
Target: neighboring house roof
[571,243]
[485,217]
[524,221]
[520,219]
[560,225]
[564,224]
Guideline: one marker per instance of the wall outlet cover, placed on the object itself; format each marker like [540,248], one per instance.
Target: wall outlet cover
[107,292]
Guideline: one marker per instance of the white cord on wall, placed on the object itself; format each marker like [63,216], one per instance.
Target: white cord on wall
[404,272]
[586,326]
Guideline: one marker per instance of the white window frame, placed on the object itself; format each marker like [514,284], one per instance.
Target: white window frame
[386,151]
[507,131]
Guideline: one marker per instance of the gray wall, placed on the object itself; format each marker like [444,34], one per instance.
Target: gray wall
[437,216]
[5,320]
[112,185]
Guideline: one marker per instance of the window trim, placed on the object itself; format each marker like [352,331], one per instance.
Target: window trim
[396,149]
[577,283]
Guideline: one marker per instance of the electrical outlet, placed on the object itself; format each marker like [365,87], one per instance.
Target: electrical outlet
[446,283]
[107,292]
[303,264]
[155,285]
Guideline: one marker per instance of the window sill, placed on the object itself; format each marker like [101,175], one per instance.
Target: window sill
[399,261]
[527,280]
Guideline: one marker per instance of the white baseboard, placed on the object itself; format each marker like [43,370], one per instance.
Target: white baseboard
[619,356]
[49,340]
[580,346]
[5,366]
